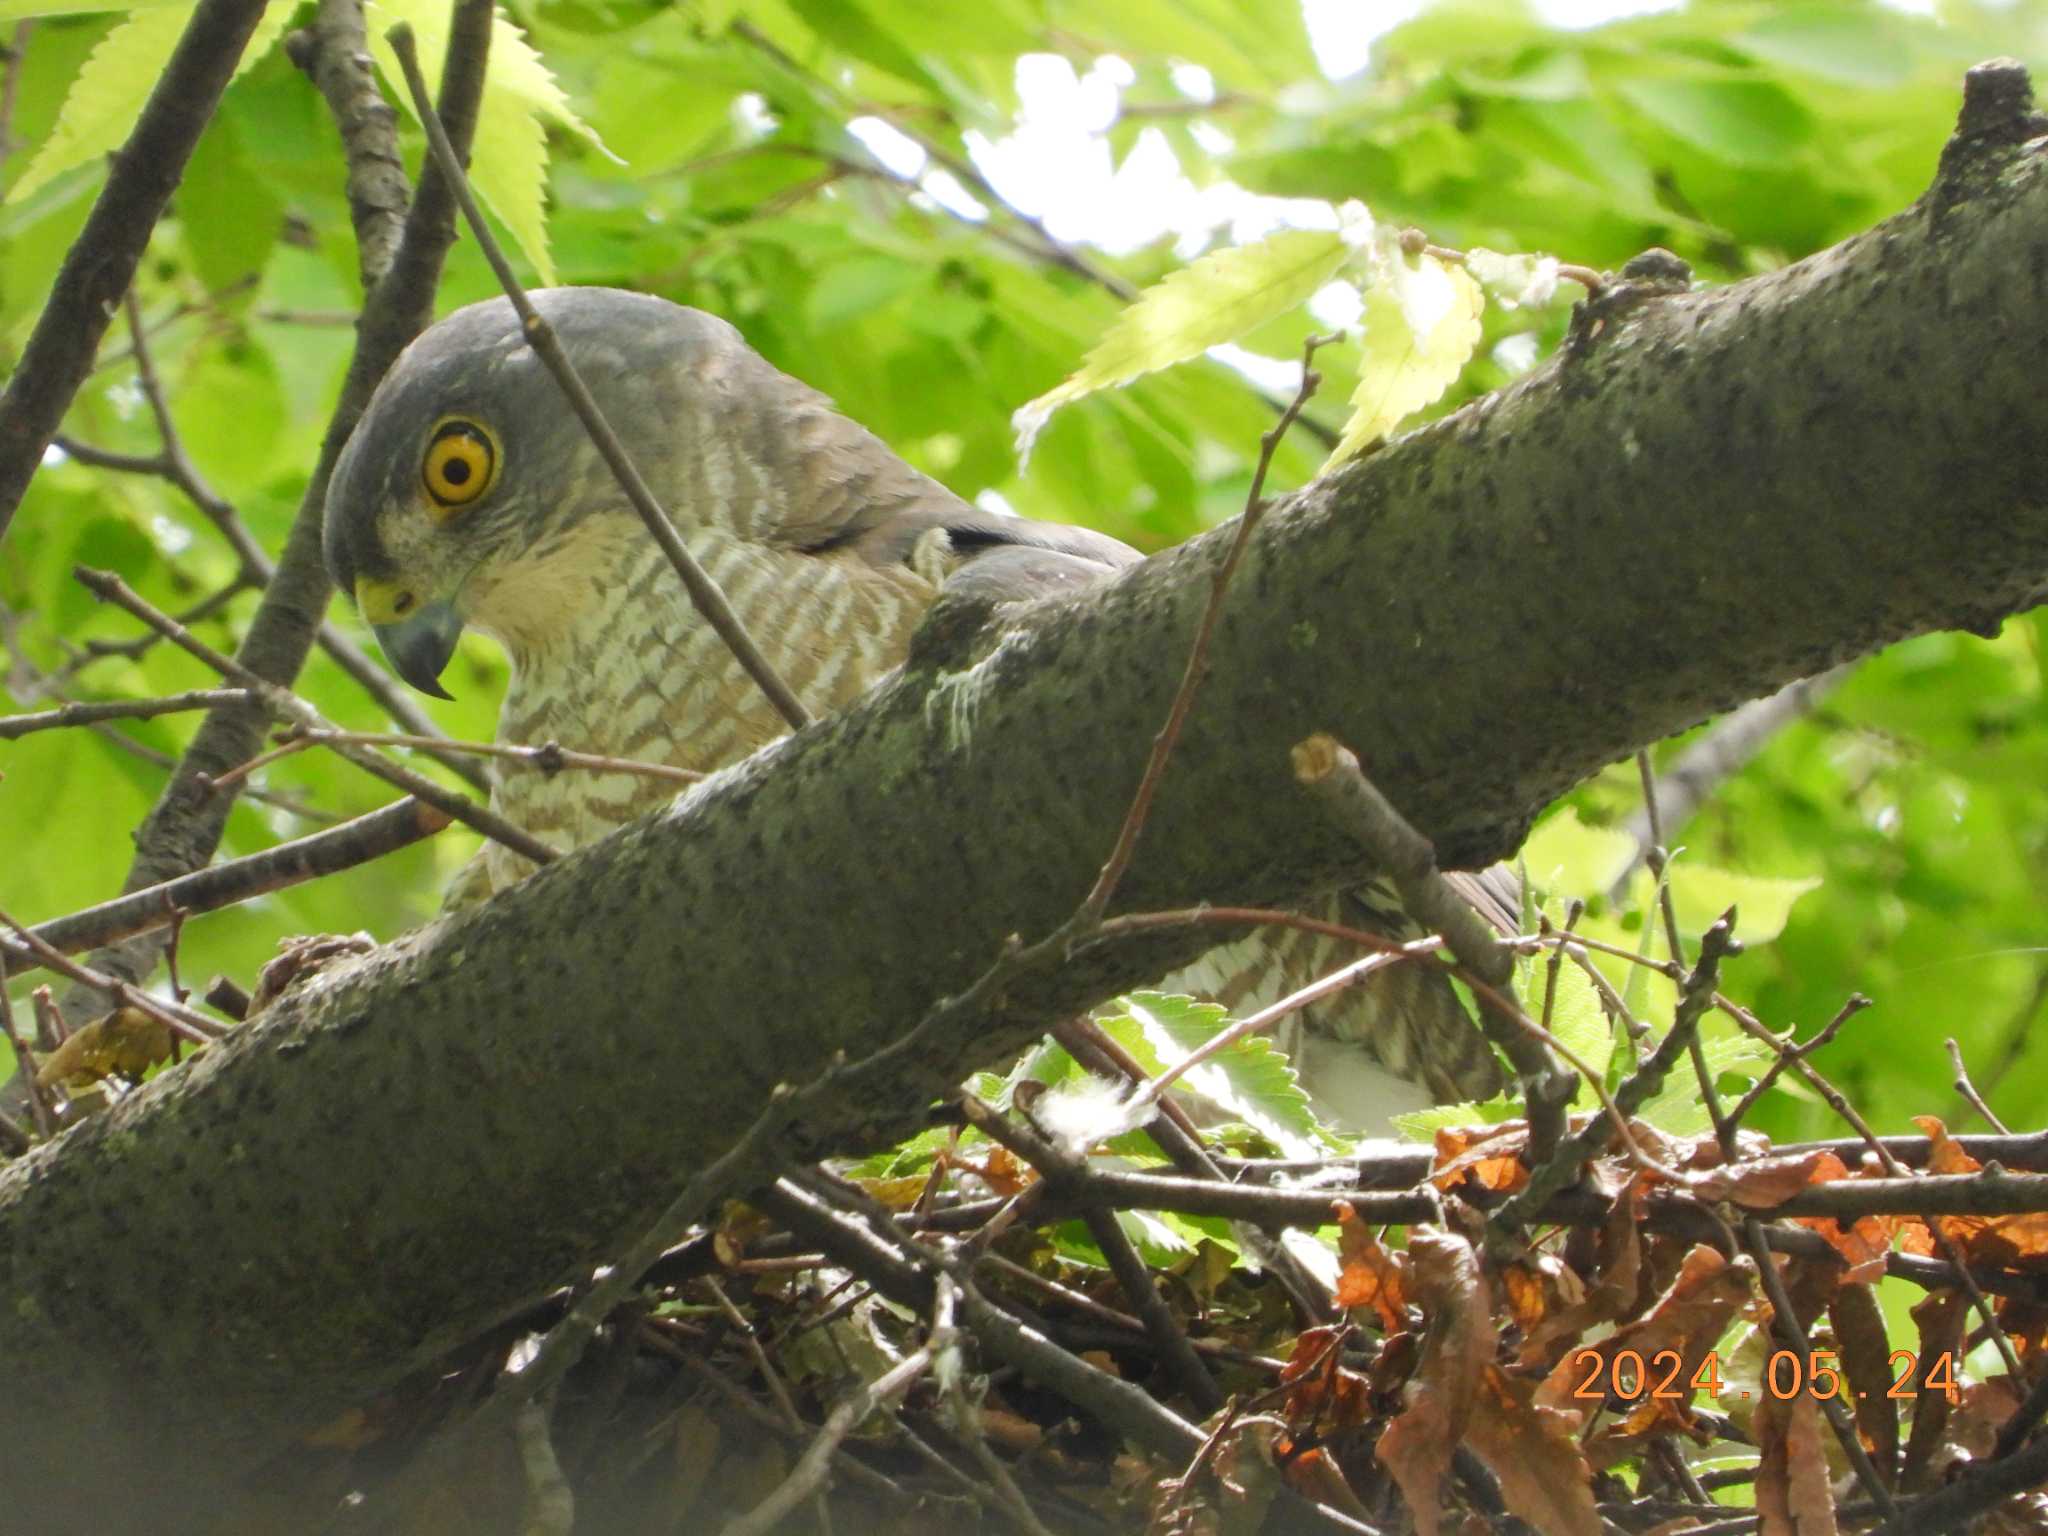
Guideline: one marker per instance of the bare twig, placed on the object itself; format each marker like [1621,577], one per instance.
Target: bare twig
[1096,902]
[703,592]
[806,1477]
[39,1107]
[1788,1053]
[179,1019]
[323,853]
[1331,772]
[10,84]
[1721,751]
[1070,1174]
[550,1503]
[1968,1089]
[280,701]
[1785,1323]
[14,727]
[549,757]
[1562,1167]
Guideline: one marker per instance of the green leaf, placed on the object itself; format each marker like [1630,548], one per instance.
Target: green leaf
[851,29]
[510,158]
[1744,122]
[1854,45]
[107,96]
[22,10]
[1251,1080]
[1701,893]
[1214,301]
[1677,1107]
[1421,327]
[228,216]
[1566,857]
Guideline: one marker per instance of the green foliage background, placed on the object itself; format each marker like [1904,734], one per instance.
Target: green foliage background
[1739,135]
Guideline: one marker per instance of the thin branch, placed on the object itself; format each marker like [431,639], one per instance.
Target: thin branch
[1785,1323]
[1788,1053]
[1718,754]
[550,1503]
[549,757]
[39,1107]
[1066,1172]
[102,261]
[111,588]
[1968,1089]
[10,85]
[222,885]
[703,592]
[176,1017]
[14,727]
[808,1475]
[1096,902]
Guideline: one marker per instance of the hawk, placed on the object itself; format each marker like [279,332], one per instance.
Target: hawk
[469,495]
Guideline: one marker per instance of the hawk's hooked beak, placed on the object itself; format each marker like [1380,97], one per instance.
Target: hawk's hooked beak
[418,638]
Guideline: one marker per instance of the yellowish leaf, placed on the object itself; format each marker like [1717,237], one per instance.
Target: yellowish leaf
[1421,327]
[509,162]
[1217,299]
[107,96]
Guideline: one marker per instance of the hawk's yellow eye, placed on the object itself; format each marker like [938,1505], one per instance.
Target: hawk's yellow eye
[461,463]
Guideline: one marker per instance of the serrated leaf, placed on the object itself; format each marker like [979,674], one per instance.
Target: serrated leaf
[1677,1107]
[1577,1019]
[1423,1124]
[108,94]
[1160,1242]
[23,10]
[509,161]
[1251,1080]
[1421,328]
[1216,300]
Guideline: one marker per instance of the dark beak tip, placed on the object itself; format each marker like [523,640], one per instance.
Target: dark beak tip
[419,647]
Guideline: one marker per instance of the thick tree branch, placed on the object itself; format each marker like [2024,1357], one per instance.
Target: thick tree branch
[1742,524]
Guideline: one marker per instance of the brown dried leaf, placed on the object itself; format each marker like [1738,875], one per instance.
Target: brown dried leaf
[1762,1182]
[1792,1492]
[2019,1240]
[1866,1366]
[1490,1155]
[1321,1391]
[1864,1242]
[1612,1297]
[1534,1452]
[1940,1317]
[1372,1276]
[1416,1447]
[1689,1319]
[1944,1153]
